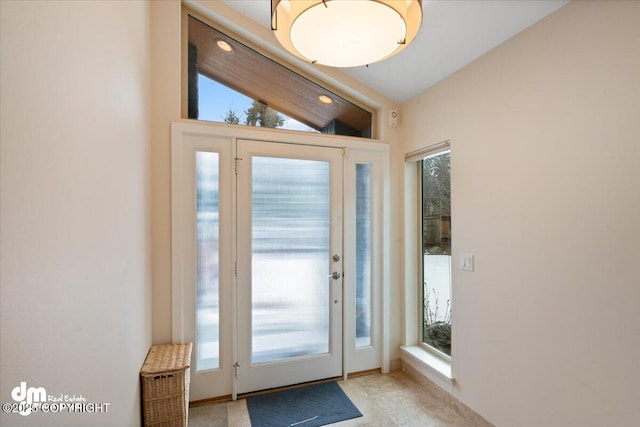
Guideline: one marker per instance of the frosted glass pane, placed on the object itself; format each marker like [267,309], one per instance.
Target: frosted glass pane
[363,255]
[290,258]
[207,268]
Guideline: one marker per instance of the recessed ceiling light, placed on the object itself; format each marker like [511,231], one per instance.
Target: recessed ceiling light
[224,46]
[325,99]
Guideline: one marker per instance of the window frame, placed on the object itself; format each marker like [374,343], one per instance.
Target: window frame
[422,357]
[445,149]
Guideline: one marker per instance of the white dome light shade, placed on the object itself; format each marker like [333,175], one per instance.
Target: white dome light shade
[346,33]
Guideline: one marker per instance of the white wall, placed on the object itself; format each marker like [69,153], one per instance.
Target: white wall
[75,270]
[545,137]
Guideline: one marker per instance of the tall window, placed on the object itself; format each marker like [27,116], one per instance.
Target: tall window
[435,177]
[207,265]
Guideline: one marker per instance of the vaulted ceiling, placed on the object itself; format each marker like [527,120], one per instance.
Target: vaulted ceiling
[453,34]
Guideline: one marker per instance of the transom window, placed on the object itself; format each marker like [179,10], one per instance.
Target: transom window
[229,82]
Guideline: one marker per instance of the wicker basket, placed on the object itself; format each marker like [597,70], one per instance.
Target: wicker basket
[165,385]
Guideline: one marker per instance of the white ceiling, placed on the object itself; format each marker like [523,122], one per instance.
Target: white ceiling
[453,34]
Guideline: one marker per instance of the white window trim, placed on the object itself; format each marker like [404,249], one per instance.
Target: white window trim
[429,363]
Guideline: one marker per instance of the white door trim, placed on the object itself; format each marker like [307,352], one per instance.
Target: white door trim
[182,131]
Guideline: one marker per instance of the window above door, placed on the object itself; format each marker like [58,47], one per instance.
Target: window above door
[228,81]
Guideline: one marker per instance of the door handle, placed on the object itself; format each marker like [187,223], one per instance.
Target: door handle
[335,275]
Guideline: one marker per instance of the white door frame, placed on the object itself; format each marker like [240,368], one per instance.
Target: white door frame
[283,372]
[358,150]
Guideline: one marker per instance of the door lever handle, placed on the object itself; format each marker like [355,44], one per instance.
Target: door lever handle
[335,275]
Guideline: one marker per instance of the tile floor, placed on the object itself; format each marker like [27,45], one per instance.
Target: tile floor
[385,400]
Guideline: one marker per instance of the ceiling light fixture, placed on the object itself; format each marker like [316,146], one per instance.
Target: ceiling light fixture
[224,46]
[345,33]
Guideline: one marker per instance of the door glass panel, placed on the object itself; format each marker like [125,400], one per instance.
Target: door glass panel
[207,261]
[290,258]
[363,255]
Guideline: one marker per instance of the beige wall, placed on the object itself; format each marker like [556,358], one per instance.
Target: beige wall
[75,272]
[166,90]
[545,135]
[165,108]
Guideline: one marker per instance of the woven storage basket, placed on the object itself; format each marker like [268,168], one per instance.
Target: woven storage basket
[165,385]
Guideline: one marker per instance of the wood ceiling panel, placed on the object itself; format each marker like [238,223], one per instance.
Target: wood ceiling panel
[263,79]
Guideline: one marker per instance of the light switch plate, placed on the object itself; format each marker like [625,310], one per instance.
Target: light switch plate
[466,262]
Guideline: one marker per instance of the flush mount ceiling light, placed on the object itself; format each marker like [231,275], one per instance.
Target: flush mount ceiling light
[345,33]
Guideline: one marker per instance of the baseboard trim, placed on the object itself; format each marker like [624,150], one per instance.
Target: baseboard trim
[225,398]
[363,373]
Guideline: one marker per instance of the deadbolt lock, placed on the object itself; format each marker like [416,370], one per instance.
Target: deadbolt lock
[335,275]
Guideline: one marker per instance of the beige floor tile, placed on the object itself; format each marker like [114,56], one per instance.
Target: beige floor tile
[385,400]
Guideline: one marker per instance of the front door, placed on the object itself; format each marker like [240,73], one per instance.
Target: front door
[289,264]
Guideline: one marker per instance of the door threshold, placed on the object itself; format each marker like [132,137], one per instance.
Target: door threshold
[287,387]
